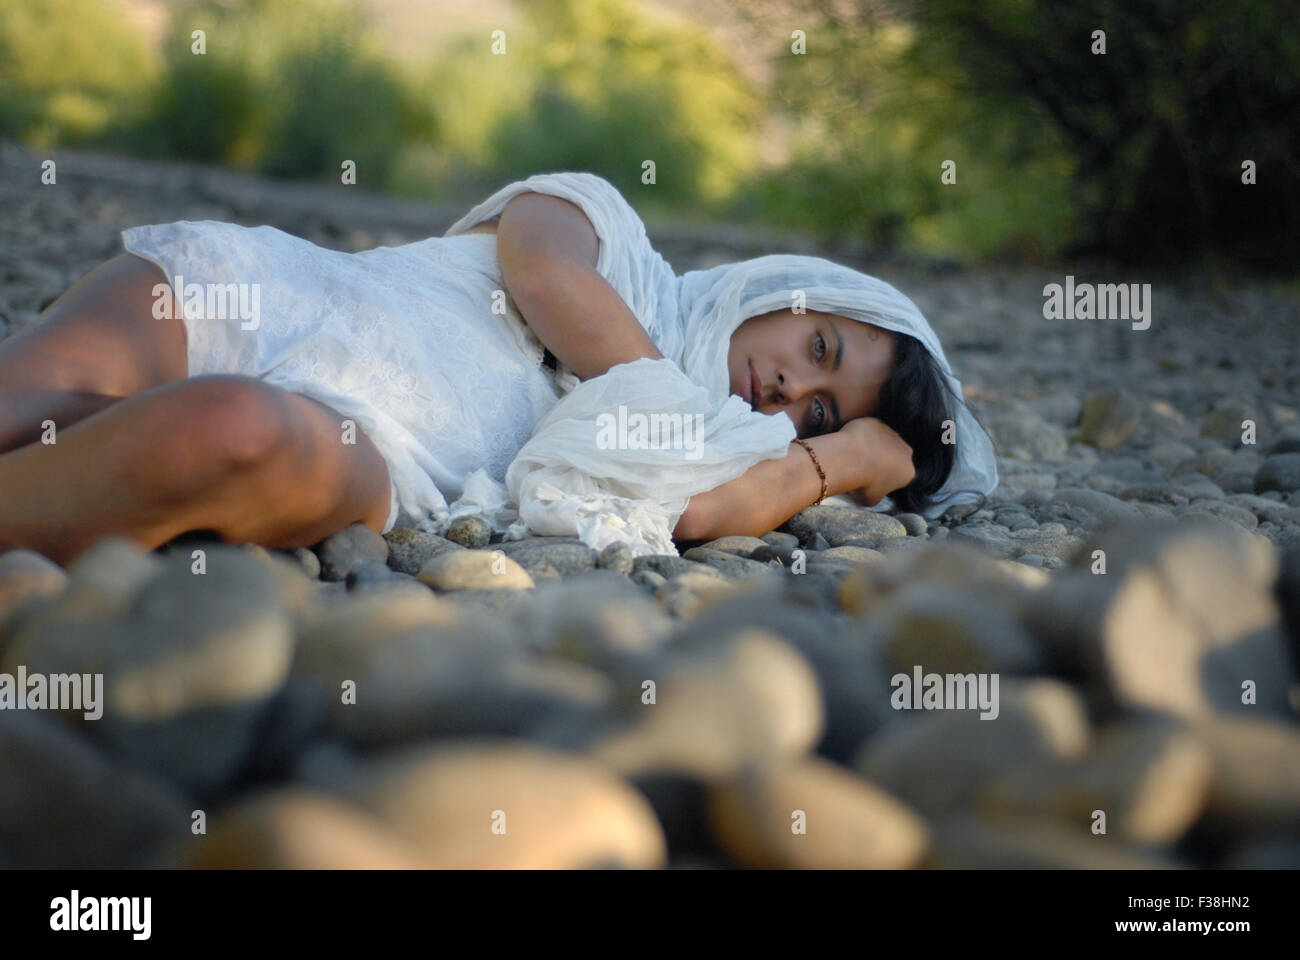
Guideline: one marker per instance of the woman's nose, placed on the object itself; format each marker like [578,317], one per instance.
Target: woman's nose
[789,388]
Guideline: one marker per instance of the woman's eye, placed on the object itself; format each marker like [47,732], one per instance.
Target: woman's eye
[819,415]
[819,347]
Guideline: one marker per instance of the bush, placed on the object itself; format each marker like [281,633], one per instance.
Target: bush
[1160,125]
[69,70]
[291,88]
[590,85]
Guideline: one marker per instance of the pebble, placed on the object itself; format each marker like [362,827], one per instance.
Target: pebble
[1255,785]
[470,531]
[852,677]
[1150,778]
[743,546]
[409,550]
[1047,540]
[913,523]
[730,565]
[1280,472]
[1182,617]
[687,594]
[648,579]
[474,570]
[607,624]
[668,566]
[990,538]
[974,843]
[811,814]
[851,554]
[1224,421]
[428,681]
[1037,719]
[755,694]
[1224,510]
[352,546]
[783,545]
[294,829]
[844,525]
[947,630]
[308,560]
[1110,418]
[376,615]
[1093,507]
[25,575]
[74,806]
[1023,435]
[617,557]
[504,805]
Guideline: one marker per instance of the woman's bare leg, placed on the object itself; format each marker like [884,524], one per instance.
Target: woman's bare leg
[230,454]
[95,345]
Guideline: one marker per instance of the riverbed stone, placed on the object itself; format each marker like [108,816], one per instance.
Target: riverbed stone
[492,804]
[1279,472]
[811,814]
[472,532]
[474,570]
[844,525]
[1110,417]
[409,550]
[350,547]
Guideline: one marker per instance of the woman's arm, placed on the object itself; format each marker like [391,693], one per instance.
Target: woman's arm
[864,454]
[548,253]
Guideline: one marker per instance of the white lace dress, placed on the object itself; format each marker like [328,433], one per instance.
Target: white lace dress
[419,344]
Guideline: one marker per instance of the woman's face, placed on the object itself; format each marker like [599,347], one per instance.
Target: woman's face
[823,370]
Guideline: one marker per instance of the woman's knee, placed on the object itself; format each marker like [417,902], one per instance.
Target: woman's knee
[241,423]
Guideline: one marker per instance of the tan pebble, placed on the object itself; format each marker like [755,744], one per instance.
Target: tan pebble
[499,804]
[814,814]
[295,829]
[475,570]
[745,698]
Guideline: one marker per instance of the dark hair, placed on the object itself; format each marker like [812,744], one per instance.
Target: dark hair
[914,403]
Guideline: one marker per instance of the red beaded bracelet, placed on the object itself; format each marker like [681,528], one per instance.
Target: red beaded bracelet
[818,464]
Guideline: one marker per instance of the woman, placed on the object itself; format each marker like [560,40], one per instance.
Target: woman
[466,374]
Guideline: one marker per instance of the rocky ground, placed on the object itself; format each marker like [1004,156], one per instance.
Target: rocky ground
[411,700]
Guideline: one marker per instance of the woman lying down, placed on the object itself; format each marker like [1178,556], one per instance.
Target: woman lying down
[540,365]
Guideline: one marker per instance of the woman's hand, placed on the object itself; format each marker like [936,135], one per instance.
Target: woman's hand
[885,457]
[864,457]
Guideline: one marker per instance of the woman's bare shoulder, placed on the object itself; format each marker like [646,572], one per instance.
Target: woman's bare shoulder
[487,226]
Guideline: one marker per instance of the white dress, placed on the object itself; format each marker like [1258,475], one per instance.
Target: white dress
[419,344]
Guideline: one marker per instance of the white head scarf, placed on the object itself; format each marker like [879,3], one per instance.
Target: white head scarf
[713,303]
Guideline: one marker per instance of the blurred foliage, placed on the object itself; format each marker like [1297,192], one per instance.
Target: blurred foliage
[871,133]
[1160,125]
[290,88]
[1135,154]
[69,70]
[590,85]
